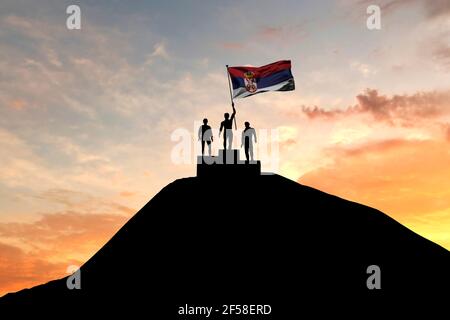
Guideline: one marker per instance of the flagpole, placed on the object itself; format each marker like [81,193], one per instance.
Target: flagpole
[231,95]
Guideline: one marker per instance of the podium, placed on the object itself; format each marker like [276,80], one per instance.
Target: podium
[227,163]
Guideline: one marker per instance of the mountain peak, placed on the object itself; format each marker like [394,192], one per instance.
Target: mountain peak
[259,237]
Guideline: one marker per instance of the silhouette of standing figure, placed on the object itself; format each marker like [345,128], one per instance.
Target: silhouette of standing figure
[247,140]
[228,125]
[205,135]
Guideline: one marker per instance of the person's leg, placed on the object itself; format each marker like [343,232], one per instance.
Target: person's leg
[209,147]
[227,138]
[246,147]
[203,147]
[251,150]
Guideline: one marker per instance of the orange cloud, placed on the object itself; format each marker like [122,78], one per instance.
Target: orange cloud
[437,8]
[441,53]
[287,143]
[36,252]
[127,194]
[403,110]
[66,229]
[232,45]
[17,104]
[282,33]
[318,112]
[19,270]
[270,32]
[82,202]
[408,180]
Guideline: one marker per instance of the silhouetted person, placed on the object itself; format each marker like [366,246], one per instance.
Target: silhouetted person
[205,135]
[228,125]
[247,140]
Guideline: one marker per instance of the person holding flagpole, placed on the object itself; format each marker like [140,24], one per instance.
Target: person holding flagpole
[227,126]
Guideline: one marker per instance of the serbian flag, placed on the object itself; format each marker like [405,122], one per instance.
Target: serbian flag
[248,81]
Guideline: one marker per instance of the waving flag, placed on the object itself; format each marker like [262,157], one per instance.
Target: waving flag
[248,81]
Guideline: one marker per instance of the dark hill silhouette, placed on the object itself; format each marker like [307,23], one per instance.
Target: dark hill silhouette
[264,239]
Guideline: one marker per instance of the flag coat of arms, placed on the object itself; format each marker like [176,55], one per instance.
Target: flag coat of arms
[248,81]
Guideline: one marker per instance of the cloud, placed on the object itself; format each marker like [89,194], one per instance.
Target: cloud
[431,34]
[447,131]
[407,179]
[281,33]
[232,45]
[350,133]
[402,110]
[441,53]
[31,28]
[17,104]
[365,69]
[159,51]
[318,112]
[127,194]
[388,6]
[76,152]
[404,107]
[370,148]
[72,226]
[21,166]
[83,202]
[270,32]
[19,270]
[432,9]
[437,8]
[288,143]
[388,174]
[287,137]
[66,231]
[35,252]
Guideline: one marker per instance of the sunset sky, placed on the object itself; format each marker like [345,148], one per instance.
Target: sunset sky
[87,116]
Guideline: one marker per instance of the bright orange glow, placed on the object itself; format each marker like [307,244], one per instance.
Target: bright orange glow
[409,180]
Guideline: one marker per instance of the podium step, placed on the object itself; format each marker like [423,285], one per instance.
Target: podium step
[227,163]
[229,156]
